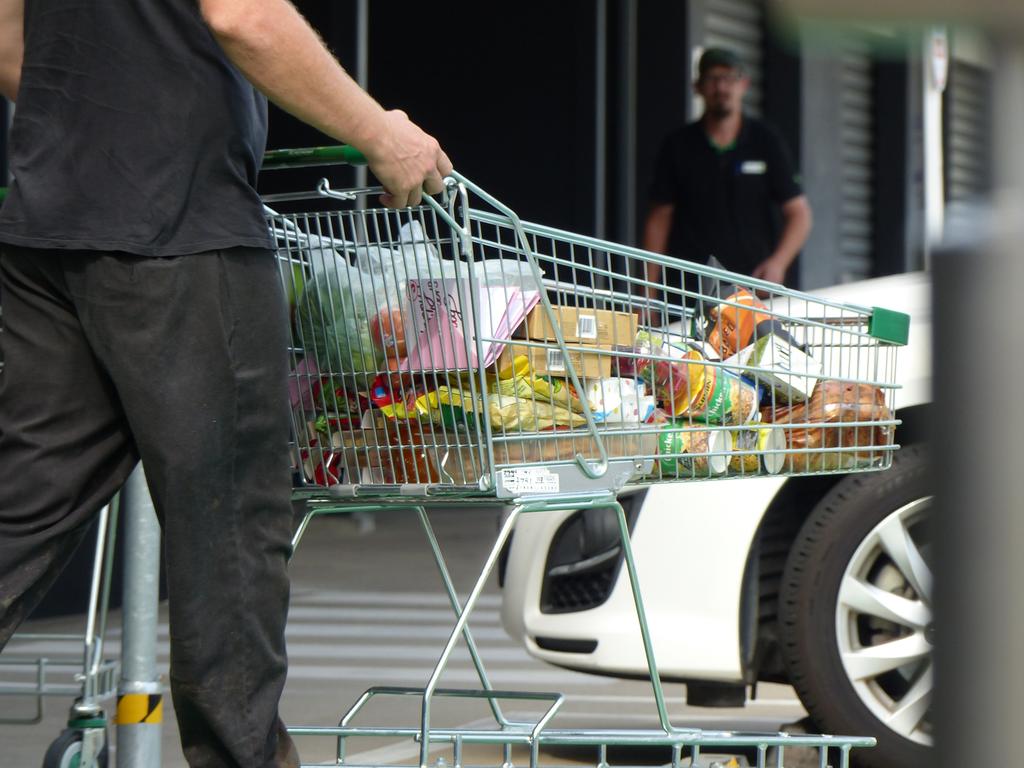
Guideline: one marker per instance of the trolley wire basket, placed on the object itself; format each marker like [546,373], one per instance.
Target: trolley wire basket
[451,352]
[455,350]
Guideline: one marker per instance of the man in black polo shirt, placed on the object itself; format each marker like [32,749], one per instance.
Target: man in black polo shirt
[720,183]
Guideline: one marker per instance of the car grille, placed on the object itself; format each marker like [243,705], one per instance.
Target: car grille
[579,593]
[584,558]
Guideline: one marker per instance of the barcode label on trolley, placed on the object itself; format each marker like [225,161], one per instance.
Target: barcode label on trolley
[556,360]
[586,326]
[529,480]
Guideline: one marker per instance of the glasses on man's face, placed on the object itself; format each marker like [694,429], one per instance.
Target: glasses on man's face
[721,78]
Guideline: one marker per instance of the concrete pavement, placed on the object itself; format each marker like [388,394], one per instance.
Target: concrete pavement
[368,609]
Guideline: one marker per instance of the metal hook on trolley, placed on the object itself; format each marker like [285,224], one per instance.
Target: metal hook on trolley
[455,192]
[323,188]
[467,240]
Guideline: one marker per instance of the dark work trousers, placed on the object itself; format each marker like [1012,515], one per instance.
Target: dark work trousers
[182,362]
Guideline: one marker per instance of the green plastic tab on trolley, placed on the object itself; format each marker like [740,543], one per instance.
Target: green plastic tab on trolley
[889,326]
[3,193]
[342,154]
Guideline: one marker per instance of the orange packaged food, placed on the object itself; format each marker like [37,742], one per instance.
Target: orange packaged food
[409,443]
[393,450]
[733,327]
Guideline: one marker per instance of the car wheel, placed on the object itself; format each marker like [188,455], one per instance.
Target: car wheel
[856,612]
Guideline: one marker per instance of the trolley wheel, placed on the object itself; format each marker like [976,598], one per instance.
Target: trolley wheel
[857,585]
[66,751]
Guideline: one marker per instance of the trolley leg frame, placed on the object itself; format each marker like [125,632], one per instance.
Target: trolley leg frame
[534,735]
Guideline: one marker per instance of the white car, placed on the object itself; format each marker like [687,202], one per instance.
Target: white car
[820,582]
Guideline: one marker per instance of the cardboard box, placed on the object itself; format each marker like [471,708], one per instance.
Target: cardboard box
[786,369]
[581,325]
[549,360]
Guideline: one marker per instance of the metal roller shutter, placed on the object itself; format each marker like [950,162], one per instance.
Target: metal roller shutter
[739,25]
[856,106]
[968,128]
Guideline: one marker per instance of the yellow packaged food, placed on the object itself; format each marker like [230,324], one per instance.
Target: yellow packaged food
[509,412]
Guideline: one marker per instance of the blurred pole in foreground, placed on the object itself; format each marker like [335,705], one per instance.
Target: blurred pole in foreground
[935,62]
[979,469]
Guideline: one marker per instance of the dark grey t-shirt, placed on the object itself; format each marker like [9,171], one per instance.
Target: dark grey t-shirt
[132,132]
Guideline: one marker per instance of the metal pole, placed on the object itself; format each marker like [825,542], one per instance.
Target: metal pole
[362,69]
[933,84]
[627,114]
[980,487]
[600,118]
[140,692]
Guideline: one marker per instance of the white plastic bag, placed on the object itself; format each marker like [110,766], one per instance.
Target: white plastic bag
[351,287]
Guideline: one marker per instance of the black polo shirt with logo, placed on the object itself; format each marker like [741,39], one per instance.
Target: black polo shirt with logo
[726,198]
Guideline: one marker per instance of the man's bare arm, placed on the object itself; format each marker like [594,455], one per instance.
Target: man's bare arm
[797,221]
[277,50]
[12,46]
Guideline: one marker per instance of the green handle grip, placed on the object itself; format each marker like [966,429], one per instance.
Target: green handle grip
[3,193]
[311,156]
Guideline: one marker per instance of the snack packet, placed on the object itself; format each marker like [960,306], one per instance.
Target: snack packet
[691,387]
[548,388]
[509,412]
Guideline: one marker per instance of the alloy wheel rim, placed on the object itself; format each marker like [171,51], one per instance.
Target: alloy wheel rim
[884,621]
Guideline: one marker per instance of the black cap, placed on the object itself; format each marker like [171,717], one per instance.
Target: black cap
[718,57]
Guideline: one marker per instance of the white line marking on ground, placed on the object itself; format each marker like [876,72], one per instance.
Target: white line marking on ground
[417,676]
[408,616]
[412,599]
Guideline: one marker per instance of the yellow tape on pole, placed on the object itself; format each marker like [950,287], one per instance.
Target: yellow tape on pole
[134,708]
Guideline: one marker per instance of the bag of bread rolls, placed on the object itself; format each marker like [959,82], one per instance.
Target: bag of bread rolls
[838,407]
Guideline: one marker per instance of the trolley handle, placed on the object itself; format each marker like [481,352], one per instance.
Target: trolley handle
[348,155]
[307,157]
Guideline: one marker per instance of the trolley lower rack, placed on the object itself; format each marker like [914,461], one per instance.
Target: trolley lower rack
[36,676]
[47,664]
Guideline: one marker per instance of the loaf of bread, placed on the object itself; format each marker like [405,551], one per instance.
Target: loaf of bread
[840,408]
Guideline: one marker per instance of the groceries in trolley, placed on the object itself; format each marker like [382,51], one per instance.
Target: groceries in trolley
[423,358]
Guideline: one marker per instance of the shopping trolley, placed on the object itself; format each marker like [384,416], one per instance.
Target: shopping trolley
[37,665]
[74,665]
[451,353]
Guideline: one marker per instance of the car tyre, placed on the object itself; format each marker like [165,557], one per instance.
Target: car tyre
[855,612]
